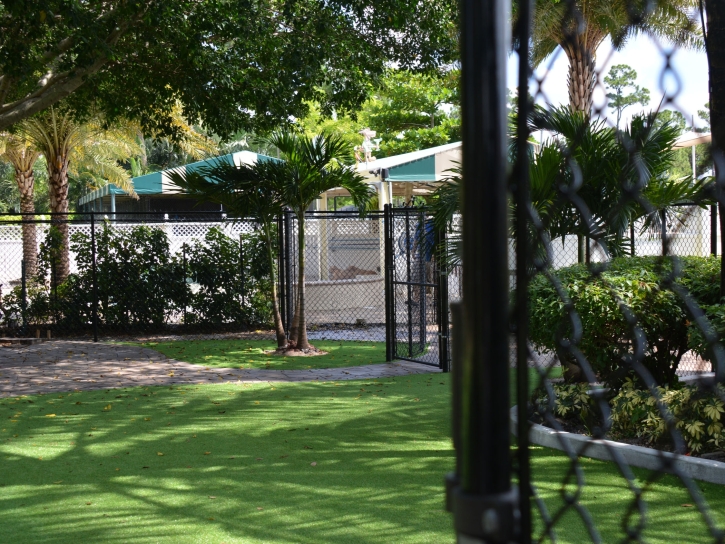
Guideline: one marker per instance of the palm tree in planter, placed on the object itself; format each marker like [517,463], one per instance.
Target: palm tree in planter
[19,152]
[246,191]
[312,166]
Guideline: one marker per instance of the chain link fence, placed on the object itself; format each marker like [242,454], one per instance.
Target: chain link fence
[133,276]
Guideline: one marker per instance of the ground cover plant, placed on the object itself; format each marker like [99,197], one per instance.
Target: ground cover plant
[251,354]
[351,461]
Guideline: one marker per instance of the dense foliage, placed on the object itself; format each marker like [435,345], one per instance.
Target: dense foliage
[142,285]
[605,337]
[234,63]
[698,415]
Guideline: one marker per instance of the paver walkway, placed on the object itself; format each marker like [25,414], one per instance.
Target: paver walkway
[62,366]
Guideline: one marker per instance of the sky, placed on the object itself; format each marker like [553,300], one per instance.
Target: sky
[648,57]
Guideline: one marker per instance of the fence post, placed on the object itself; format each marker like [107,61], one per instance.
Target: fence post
[713,229]
[94,277]
[23,298]
[288,269]
[186,298]
[281,272]
[485,504]
[389,286]
[241,265]
[631,238]
[444,358]
[663,232]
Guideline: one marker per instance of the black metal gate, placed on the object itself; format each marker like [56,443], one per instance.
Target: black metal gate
[416,289]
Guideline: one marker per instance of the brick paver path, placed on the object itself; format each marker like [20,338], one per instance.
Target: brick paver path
[62,366]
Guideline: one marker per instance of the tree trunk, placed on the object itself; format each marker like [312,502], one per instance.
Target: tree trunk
[278,328]
[25,179]
[302,342]
[582,74]
[715,10]
[58,182]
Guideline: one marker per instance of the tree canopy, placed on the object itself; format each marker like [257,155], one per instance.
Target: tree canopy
[234,63]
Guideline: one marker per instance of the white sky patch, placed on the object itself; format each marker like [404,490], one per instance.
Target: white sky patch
[687,83]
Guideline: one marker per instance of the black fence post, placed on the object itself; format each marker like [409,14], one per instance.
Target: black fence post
[408,252]
[94,277]
[281,272]
[389,286]
[713,229]
[631,238]
[663,231]
[423,277]
[444,357]
[484,504]
[23,299]
[288,270]
[241,265]
[184,287]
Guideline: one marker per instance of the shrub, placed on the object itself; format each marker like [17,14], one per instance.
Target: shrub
[230,279]
[606,337]
[698,415]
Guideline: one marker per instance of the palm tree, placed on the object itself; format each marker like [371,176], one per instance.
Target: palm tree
[313,165]
[19,152]
[86,149]
[246,191]
[580,27]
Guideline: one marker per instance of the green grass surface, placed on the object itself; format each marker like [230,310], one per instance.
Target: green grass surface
[250,354]
[380,450]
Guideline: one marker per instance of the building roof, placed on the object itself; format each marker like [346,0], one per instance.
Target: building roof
[425,165]
[690,139]
[159,183]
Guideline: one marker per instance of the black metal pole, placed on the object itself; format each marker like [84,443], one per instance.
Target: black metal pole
[183,264]
[422,317]
[408,251]
[663,231]
[713,229]
[241,265]
[23,298]
[288,269]
[389,287]
[94,277]
[280,270]
[484,504]
[522,198]
[442,311]
[631,238]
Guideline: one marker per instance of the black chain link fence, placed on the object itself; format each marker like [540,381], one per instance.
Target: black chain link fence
[134,275]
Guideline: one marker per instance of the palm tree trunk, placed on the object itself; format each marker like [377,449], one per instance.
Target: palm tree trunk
[58,181]
[582,75]
[302,342]
[26,183]
[278,328]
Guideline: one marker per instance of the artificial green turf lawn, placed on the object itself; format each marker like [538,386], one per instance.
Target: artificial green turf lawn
[381,449]
[250,354]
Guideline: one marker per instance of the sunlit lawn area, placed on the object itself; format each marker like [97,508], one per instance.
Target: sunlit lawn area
[251,354]
[356,461]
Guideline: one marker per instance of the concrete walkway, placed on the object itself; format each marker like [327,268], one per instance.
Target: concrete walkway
[63,366]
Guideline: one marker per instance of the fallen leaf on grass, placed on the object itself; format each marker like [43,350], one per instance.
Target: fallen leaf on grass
[49,415]
[207,453]
[58,482]
[107,408]
[686,505]
[211,519]
[313,464]
[147,419]
[88,503]
[159,454]
[212,497]
[260,508]
[260,458]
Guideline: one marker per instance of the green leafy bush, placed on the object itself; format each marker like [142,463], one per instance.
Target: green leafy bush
[230,279]
[606,336]
[698,415]
[140,284]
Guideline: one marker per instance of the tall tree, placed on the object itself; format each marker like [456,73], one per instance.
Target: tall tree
[246,191]
[234,63]
[82,147]
[579,27]
[311,166]
[624,92]
[20,152]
